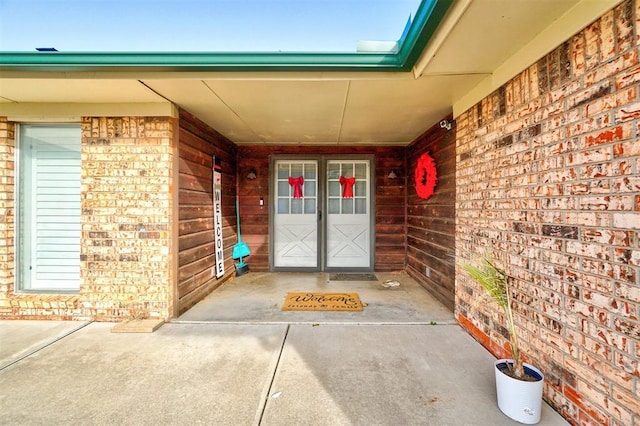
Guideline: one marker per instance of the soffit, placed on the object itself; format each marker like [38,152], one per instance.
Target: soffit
[318,111]
[27,90]
[490,31]
[287,111]
[396,111]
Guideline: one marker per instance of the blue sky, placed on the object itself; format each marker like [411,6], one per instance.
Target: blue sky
[200,25]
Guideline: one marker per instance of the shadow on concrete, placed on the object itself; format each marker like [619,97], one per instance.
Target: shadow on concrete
[212,367]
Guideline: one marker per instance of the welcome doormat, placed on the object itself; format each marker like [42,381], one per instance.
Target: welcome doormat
[346,302]
[352,277]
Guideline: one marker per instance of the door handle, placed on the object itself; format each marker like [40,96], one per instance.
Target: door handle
[319,215]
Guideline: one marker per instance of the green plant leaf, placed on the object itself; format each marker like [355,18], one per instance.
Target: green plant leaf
[492,279]
[495,281]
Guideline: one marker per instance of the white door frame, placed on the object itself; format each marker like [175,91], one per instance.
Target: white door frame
[322,209]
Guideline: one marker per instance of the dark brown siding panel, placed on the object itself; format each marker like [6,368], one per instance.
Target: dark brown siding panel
[196,256]
[431,223]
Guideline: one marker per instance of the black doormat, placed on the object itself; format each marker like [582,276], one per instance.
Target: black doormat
[352,277]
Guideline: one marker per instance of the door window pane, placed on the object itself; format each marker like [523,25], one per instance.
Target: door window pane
[283,206]
[334,206]
[347,170]
[309,189]
[333,171]
[283,171]
[283,188]
[310,206]
[296,170]
[347,206]
[296,206]
[310,171]
[334,189]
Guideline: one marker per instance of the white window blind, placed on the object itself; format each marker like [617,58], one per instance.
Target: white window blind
[49,208]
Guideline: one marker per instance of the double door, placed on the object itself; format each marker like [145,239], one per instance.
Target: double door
[322,214]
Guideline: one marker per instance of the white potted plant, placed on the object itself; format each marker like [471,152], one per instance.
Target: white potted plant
[518,384]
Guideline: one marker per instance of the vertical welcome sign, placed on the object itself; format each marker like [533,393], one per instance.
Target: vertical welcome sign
[217,209]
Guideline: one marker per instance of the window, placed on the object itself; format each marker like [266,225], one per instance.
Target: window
[48,227]
[357,202]
[287,202]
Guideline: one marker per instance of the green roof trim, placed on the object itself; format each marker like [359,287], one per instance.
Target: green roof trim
[428,16]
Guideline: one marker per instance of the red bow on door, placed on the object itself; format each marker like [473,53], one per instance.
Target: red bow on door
[297,186]
[347,186]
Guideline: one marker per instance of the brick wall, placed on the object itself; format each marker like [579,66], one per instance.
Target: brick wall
[548,179]
[7,250]
[127,216]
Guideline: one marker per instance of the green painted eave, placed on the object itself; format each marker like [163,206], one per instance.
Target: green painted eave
[428,16]
[131,61]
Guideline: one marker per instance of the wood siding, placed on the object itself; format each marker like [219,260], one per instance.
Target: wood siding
[196,258]
[390,195]
[431,223]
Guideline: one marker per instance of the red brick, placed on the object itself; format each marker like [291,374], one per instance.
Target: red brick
[628,78]
[605,136]
[591,34]
[626,149]
[637,23]
[628,112]
[612,67]
[624,26]
[607,36]
[595,414]
[482,338]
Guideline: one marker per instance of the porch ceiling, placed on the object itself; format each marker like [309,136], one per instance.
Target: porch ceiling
[314,107]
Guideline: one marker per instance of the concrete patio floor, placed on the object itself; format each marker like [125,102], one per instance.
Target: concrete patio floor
[337,369]
[257,297]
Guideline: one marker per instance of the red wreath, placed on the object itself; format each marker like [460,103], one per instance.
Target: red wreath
[425,176]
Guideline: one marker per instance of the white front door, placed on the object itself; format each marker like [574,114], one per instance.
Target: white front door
[295,223]
[348,214]
[322,214]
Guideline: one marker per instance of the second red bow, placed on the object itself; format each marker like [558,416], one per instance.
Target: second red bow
[347,186]
[297,186]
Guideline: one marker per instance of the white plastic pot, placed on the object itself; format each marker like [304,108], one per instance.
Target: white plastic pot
[518,399]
